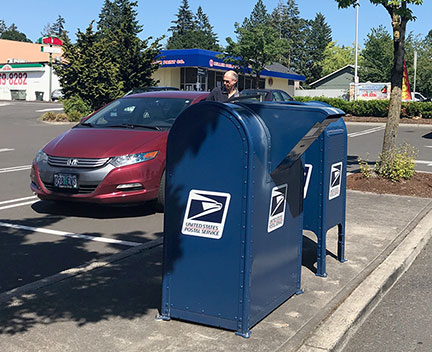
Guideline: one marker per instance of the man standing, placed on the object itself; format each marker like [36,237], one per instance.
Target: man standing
[230,88]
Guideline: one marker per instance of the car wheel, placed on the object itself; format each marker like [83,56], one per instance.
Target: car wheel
[160,203]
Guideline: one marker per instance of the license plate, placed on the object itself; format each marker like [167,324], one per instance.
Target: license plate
[65,181]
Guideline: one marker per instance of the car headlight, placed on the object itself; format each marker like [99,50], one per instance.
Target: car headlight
[41,156]
[131,159]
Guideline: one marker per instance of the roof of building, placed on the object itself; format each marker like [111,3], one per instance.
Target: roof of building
[334,73]
[17,52]
[210,59]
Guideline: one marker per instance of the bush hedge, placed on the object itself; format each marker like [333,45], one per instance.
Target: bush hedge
[374,108]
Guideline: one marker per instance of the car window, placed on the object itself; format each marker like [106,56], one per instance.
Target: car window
[277,96]
[286,96]
[160,112]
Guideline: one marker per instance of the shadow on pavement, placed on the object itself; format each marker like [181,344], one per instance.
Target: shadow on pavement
[97,295]
[95,211]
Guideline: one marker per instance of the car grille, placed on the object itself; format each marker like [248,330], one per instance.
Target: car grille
[76,162]
[83,189]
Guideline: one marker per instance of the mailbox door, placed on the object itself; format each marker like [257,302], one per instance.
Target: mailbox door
[206,182]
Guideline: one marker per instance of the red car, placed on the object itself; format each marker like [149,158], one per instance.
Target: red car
[116,155]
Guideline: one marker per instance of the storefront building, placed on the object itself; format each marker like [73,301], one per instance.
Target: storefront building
[197,69]
[24,72]
[26,81]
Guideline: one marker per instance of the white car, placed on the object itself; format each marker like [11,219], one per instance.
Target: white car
[56,94]
[416,96]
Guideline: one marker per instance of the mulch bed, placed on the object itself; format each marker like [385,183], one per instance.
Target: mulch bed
[420,185]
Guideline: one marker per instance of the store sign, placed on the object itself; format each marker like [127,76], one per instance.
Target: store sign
[13,79]
[170,62]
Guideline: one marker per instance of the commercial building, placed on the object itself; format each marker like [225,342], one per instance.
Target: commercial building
[24,71]
[197,69]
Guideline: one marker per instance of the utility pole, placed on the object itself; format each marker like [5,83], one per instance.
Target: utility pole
[356,79]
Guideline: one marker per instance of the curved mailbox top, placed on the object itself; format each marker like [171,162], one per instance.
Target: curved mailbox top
[293,127]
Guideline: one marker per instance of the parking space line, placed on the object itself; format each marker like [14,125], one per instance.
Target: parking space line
[17,200]
[70,234]
[15,168]
[424,162]
[6,150]
[50,109]
[361,133]
[18,205]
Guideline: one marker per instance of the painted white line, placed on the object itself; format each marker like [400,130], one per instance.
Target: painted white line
[70,234]
[17,205]
[361,133]
[6,150]
[4,104]
[51,109]
[428,146]
[15,168]
[424,162]
[17,200]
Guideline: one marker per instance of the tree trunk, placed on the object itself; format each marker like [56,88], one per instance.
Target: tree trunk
[391,130]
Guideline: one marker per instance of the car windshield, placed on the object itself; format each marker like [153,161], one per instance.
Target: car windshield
[152,113]
[254,92]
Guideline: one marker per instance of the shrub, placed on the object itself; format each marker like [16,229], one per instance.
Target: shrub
[374,108]
[75,116]
[397,164]
[365,168]
[49,116]
[75,106]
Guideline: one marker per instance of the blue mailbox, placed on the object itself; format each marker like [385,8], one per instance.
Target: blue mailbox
[234,210]
[325,189]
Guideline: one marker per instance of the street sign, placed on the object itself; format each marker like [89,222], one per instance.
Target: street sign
[50,40]
[51,49]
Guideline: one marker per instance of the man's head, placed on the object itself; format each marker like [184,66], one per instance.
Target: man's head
[230,80]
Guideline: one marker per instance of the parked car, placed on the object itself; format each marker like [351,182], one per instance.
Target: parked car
[416,96]
[268,94]
[149,89]
[56,94]
[116,155]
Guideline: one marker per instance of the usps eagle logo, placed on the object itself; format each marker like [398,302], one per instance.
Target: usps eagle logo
[205,214]
[277,207]
[335,180]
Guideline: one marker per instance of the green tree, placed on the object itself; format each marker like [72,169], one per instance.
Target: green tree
[400,15]
[12,33]
[56,29]
[183,29]
[319,36]
[135,58]
[335,57]
[258,43]
[377,56]
[205,37]
[89,71]
[290,27]
[2,26]
[423,47]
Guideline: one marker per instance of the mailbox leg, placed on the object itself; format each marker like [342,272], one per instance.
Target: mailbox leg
[341,243]
[245,334]
[321,253]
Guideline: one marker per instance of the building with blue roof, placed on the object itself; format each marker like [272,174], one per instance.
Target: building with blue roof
[198,69]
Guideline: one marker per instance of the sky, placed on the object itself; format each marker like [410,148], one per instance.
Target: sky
[31,16]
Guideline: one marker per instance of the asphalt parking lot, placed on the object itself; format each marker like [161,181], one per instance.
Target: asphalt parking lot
[42,238]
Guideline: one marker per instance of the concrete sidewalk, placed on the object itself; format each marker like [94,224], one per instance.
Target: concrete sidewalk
[112,307]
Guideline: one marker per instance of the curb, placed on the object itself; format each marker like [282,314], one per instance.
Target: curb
[70,273]
[335,331]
